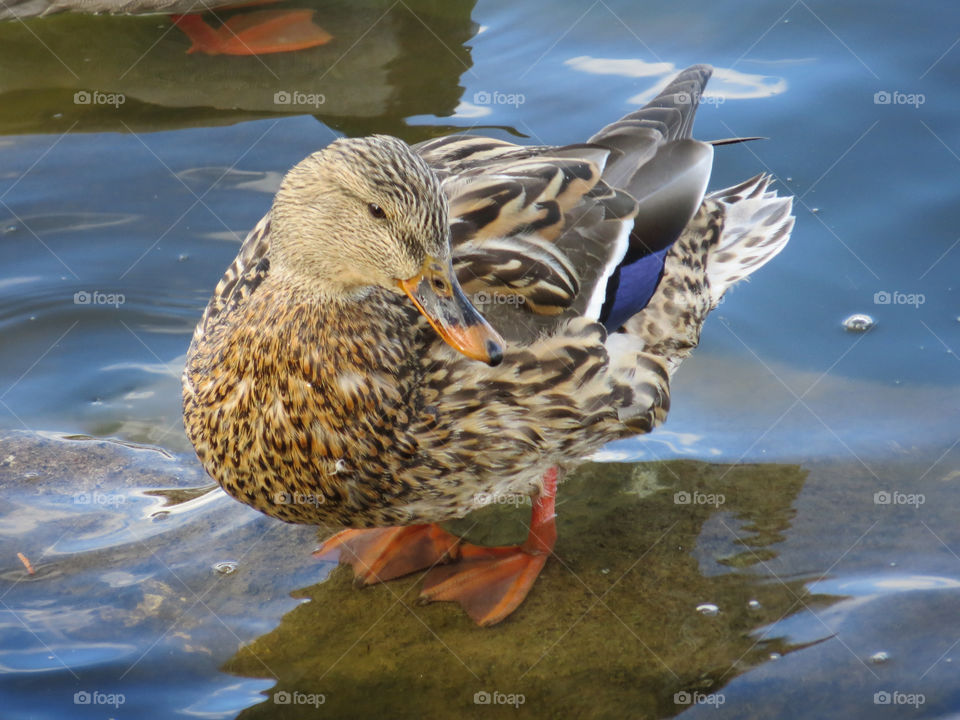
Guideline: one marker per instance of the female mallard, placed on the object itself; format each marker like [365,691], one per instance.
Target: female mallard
[340,373]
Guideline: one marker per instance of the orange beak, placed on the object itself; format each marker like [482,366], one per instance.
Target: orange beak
[440,299]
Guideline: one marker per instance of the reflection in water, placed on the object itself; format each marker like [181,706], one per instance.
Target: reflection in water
[726,83]
[120,589]
[387,60]
[617,606]
[672,580]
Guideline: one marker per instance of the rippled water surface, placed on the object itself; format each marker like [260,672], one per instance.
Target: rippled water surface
[785,546]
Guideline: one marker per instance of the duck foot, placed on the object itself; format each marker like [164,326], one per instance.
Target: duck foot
[254,33]
[382,554]
[488,582]
[489,586]
[491,582]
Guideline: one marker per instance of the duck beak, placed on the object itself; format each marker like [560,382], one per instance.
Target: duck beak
[439,297]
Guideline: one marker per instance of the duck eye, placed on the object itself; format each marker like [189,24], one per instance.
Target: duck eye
[376,211]
[439,285]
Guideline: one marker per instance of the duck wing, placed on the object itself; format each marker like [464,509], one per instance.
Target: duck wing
[544,234]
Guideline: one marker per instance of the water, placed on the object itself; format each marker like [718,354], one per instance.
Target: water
[835,451]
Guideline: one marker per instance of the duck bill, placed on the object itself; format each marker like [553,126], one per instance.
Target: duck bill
[439,297]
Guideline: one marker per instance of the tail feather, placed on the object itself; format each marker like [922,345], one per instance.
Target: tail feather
[736,231]
[756,226]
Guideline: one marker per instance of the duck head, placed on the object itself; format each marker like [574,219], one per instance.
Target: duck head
[368,212]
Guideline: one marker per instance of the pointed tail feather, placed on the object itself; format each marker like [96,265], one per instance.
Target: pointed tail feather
[756,226]
[736,231]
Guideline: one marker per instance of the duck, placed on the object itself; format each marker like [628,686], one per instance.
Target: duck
[258,32]
[413,331]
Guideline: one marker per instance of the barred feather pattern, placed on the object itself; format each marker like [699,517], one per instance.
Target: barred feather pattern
[318,407]
[297,426]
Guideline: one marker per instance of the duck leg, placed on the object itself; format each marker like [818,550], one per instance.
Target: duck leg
[491,582]
[488,582]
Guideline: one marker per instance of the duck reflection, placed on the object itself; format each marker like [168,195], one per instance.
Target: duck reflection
[84,73]
[656,603]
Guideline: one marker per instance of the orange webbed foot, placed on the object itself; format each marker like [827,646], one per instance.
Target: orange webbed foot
[489,583]
[382,554]
[254,33]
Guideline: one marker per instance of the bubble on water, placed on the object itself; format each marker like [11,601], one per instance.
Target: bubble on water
[754,605]
[775,656]
[605,571]
[225,568]
[814,210]
[13,228]
[183,257]
[708,609]
[879,658]
[858,323]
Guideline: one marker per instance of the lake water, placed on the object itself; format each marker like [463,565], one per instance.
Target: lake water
[785,546]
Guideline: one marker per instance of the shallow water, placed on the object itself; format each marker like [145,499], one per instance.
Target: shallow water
[795,422]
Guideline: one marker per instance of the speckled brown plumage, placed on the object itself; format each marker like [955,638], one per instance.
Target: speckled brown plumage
[315,391]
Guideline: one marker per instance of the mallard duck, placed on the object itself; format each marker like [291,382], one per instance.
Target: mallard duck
[343,372]
[251,33]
